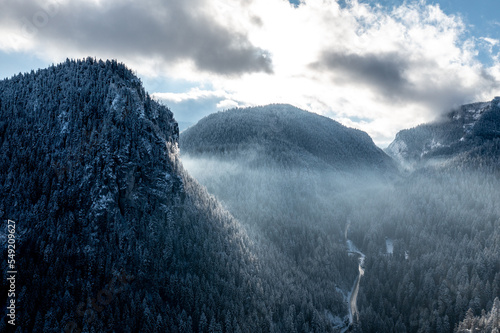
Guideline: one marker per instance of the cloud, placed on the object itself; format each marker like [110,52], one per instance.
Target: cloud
[196,103]
[192,94]
[491,41]
[399,78]
[384,72]
[413,53]
[174,31]
[376,68]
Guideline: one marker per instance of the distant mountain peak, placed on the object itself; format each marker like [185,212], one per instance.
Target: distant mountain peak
[471,130]
[283,134]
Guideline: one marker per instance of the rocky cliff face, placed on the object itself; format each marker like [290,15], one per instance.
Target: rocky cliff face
[468,134]
[111,233]
[83,135]
[90,175]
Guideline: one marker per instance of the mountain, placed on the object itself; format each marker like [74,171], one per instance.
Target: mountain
[430,240]
[467,135]
[111,234]
[106,231]
[293,177]
[284,135]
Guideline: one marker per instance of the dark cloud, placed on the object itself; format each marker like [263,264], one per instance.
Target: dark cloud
[388,74]
[385,71]
[173,30]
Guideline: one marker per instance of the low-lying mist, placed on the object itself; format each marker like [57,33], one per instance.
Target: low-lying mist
[443,227]
[317,198]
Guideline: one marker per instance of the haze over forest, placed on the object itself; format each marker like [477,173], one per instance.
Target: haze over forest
[218,166]
[429,233]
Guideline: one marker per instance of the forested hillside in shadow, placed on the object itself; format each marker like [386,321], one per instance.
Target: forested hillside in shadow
[431,237]
[445,227]
[112,234]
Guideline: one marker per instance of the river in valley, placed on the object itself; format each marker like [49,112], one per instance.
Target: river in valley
[353,295]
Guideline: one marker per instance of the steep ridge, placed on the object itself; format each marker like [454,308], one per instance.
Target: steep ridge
[111,233]
[467,135]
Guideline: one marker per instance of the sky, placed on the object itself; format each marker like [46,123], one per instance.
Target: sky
[379,66]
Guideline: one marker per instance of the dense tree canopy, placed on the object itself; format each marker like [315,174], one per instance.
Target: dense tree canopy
[113,234]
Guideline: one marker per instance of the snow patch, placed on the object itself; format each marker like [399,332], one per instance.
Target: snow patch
[352,248]
[474,112]
[478,112]
[389,245]
[102,203]
[428,147]
[63,118]
[115,101]
[398,149]
[336,321]
[435,144]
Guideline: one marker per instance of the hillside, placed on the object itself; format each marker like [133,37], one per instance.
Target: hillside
[293,177]
[429,239]
[111,233]
[468,135]
[284,135]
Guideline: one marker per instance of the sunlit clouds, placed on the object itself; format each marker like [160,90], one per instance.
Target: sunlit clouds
[370,67]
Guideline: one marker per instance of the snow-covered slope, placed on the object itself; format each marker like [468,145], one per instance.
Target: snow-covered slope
[285,135]
[112,234]
[465,135]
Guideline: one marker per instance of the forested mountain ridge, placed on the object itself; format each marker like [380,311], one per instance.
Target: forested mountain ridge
[444,220]
[467,135]
[431,238]
[292,176]
[283,134]
[112,233]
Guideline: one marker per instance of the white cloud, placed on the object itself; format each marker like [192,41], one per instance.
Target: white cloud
[491,41]
[193,94]
[227,104]
[169,31]
[394,69]
[391,68]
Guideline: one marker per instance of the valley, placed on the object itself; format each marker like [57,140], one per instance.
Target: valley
[260,219]
[353,308]
[392,216]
